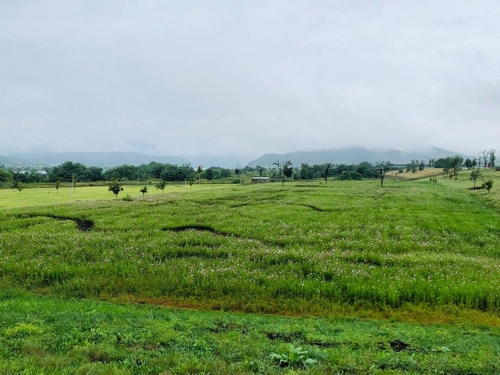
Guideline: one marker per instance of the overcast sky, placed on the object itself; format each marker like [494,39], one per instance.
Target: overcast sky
[191,77]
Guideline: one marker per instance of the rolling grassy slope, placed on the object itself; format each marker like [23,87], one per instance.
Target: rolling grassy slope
[301,248]
[413,251]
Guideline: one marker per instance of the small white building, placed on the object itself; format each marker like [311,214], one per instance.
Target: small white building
[260,180]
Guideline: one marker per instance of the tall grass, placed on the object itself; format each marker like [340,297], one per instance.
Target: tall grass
[297,248]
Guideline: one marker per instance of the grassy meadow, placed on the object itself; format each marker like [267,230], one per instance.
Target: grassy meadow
[415,261]
[66,194]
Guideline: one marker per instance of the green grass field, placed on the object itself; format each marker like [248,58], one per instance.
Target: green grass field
[44,195]
[419,252]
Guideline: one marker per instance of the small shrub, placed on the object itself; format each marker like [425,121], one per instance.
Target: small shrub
[488,185]
[22,329]
[295,357]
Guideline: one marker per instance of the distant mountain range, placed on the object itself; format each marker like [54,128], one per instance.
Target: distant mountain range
[97,159]
[352,155]
[113,159]
[348,155]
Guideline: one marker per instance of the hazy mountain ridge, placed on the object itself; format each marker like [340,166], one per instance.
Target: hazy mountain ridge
[97,159]
[113,159]
[352,155]
[347,155]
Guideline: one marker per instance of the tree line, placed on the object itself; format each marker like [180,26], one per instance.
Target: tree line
[69,171]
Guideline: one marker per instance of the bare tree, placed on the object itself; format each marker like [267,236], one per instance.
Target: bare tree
[284,170]
[485,154]
[493,157]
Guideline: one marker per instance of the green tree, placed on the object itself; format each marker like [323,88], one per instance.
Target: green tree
[446,170]
[421,166]
[493,157]
[306,172]
[144,190]
[73,181]
[350,175]
[412,166]
[474,175]
[161,185]
[58,184]
[5,176]
[237,172]
[115,187]
[456,163]
[285,170]
[65,172]
[122,173]
[381,169]
[325,170]
[19,186]
[209,174]
[199,170]
[94,174]
[488,185]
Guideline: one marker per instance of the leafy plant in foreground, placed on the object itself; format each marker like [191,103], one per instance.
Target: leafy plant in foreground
[295,357]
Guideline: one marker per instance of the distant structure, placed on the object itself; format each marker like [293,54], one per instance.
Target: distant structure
[260,180]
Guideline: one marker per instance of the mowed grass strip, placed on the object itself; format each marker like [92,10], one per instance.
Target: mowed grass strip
[301,248]
[33,196]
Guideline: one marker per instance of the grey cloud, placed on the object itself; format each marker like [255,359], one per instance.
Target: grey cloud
[252,76]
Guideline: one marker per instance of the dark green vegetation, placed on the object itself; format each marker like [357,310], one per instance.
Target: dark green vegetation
[56,336]
[413,250]
[76,172]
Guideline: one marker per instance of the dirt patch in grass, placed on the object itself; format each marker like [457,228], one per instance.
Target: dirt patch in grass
[83,225]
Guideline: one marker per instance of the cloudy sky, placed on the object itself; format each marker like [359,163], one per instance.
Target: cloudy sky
[191,77]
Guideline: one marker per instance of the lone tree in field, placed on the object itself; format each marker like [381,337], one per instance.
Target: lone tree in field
[19,186]
[58,184]
[199,170]
[115,187]
[493,157]
[73,180]
[325,170]
[485,154]
[488,185]
[237,172]
[161,185]
[381,170]
[284,170]
[456,163]
[144,190]
[474,175]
